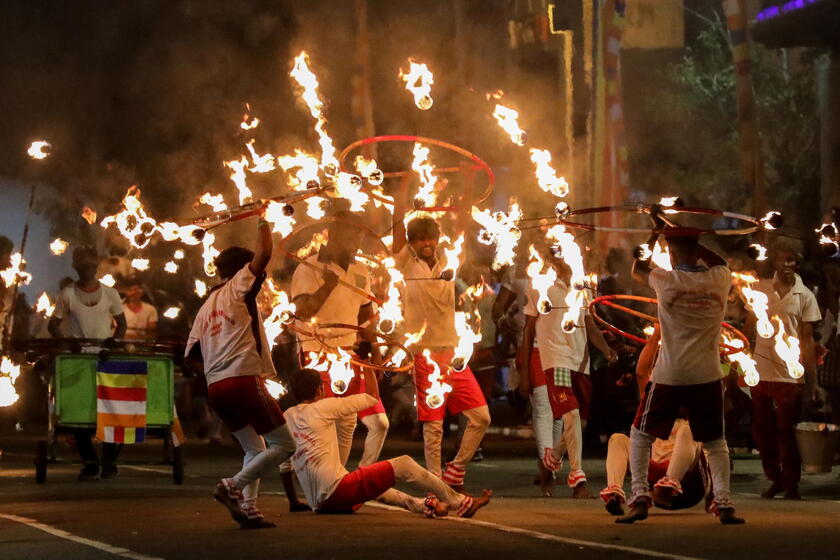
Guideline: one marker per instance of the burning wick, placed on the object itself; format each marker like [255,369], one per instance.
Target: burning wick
[757,252]
[418,80]
[171,313]
[39,149]
[58,246]
[772,220]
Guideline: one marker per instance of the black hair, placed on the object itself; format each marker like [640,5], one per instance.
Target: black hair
[422,229]
[80,253]
[305,384]
[684,243]
[231,260]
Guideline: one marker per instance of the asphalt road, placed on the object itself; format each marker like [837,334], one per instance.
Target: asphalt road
[142,515]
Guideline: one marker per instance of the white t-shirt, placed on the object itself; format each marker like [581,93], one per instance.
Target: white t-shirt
[341,306]
[691,307]
[428,301]
[799,305]
[230,330]
[558,348]
[88,314]
[137,322]
[316,460]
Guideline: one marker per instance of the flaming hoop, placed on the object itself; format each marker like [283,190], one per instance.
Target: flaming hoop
[215,219]
[478,164]
[750,224]
[610,301]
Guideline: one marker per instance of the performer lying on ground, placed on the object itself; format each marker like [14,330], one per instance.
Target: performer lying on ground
[329,487]
[228,341]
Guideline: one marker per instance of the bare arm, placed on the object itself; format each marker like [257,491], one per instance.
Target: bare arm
[119,331]
[594,335]
[644,366]
[307,305]
[53,327]
[262,252]
[523,357]
[709,257]
[503,302]
[809,354]
[371,384]
[641,268]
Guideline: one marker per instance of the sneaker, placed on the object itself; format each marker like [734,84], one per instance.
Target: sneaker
[89,472]
[231,497]
[109,472]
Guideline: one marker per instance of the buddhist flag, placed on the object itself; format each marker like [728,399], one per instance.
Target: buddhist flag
[121,401]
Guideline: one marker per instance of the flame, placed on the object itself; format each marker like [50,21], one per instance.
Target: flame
[304,178]
[44,305]
[436,393]
[829,236]
[467,339]
[283,223]
[501,230]
[171,267]
[769,218]
[476,292]
[307,80]
[368,169]
[418,80]
[409,340]
[667,203]
[742,359]
[89,215]
[38,149]
[275,389]
[649,330]
[282,313]
[349,186]
[452,255]
[209,254]
[568,250]
[132,221]
[760,251]
[755,301]
[9,372]
[787,348]
[215,201]
[546,175]
[108,280]
[424,168]
[58,246]
[508,121]
[140,264]
[319,239]
[238,167]
[15,274]
[540,281]
[172,312]
[178,255]
[200,288]
[262,163]
[391,312]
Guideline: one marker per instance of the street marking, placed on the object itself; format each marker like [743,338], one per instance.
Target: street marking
[548,536]
[60,533]
[156,470]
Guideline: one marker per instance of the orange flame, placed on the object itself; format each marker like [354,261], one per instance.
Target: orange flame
[541,281]
[9,372]
[418,80]
[58,246]
[755,301]
[500,229]
[89,215]
[508,120]
[787,348]
[546,175]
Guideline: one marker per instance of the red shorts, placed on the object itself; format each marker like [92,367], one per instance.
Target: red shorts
[358,487]
[465,394]
[565,399]
[535,370]
[244,401]
[662,404]
[355,387]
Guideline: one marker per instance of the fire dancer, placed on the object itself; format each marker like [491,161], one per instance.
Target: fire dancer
[89,308]
[677,470]
[564,393]
[228,342]
[430,301]
[777,399]
[329,488]
[318,295]
[687,374]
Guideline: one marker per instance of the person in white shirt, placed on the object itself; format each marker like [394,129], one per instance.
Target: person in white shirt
[565,393]
[329,487]
[318,295]
[228,343]
[687,374]
[777,399]
[429,302]
[87,309]
[141,317]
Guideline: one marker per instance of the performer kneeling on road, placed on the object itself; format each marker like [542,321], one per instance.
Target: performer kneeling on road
[229,342]
[329,487]
[678,470]
[692,300]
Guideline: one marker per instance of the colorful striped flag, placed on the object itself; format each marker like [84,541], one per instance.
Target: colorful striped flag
[121,401]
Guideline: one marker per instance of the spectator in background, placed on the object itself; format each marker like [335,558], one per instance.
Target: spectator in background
[141,317]
[829,370]
[90,309]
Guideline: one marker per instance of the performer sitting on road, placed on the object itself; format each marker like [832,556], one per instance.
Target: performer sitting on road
[90,309]
[228,341]
[318,295]
[329,487]
[687,374]
[678,471]
[565,395]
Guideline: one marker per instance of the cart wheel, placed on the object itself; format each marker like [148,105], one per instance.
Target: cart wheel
[41,462]
[178,464]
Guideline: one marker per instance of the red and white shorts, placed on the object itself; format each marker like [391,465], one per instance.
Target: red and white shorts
[465,394]
[244,401]
[663,404]
[355,387]
[564,399]
[358,487]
